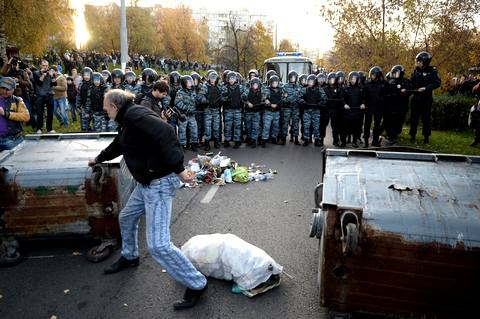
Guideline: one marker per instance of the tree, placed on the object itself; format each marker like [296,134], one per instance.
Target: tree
[180,35]
[20,22]
[285,46]
[388,32]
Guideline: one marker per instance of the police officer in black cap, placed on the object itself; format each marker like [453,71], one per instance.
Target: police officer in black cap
[425,79]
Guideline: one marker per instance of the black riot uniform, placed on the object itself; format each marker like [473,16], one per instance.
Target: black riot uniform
[352,114]
[374,92]
[333,112]
[396,102]
[424,79]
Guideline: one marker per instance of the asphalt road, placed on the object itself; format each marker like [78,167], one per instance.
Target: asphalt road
[273,215]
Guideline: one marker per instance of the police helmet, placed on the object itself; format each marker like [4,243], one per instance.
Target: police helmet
[340,76]
[174,78]
[107,76]
[196,78]
[225,75]
[274,81]
[302,79]
[130,75]
[321,78]
[212,76]
[97,76]
[375,73]
[362,76]
[254,72]
[255,83]
[332,78]
[270,73]
[87,70]
[292,74]
[353,78]
[149,75]
[185,80]
[232,75]
[311,80]
[397,71]
[424,57]
[118,73]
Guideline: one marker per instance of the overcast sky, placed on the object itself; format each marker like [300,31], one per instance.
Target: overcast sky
[298,21]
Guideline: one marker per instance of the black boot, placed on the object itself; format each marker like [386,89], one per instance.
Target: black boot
[306,142]
[296,141]
[263,143]
[317,142]
[282,140]
[237,144]
[226,144]
[291,138]
[190,299]
[249,141]
[194,147]
[216,144]
[426,140]
[273,140]
[253,144]
[121,264]
[336,143]
[206,145]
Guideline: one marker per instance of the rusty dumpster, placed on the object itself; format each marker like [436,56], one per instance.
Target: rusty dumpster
[399,234]
[47,190]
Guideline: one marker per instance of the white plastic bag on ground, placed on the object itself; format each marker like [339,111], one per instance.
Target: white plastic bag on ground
[228,257]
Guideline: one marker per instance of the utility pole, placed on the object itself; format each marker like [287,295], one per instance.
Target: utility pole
[123,36]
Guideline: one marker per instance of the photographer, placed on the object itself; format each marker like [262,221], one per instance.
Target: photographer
[43,82]
[10,69]
[155,159]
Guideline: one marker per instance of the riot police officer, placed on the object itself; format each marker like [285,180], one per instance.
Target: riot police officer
[83,102]
[232,110]
[131,82]
[332,113]
[313,98]
[374,92]
[255,100]
[353,97]
[212,113]
[424,79]
[185,101]
[290,111]
[273,104]
[148,77]
[117,79]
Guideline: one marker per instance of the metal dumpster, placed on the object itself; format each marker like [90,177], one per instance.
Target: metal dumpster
[47,190]
[399,234]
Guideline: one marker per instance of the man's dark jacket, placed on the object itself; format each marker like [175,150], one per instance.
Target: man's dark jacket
[148,144]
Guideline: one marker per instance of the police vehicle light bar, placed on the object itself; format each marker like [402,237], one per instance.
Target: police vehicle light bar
[289,53]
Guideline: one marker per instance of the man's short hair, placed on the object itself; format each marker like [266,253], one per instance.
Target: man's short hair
[161,86]
[119,98]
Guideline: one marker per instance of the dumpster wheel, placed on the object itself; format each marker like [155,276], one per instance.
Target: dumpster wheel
[9,253]
[101,252]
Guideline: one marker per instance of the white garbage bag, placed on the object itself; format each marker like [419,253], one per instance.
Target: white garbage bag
[228,257]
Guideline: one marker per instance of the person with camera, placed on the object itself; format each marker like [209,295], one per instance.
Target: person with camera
[154,157]
[12,113]
[10,69]
[43,81]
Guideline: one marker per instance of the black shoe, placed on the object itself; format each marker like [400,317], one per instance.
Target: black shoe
[249,141]
[190,299]
[237,144]
[206,145]
[344,144]
[194,147]
[317,143]
[349,139]
[291,138]
[226,144]
[253,144]
[296,141]
[121,264]
[282,141]
[306,142]
[425,140]
[376,143]
[216,144]
[412,139]
[273,140]
[263,143]
[365,144]
[355,144]
[336,143]
[185,147]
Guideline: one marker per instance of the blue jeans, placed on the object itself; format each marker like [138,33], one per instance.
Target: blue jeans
[60,108]
[252,125]
[9,142]
[155,202]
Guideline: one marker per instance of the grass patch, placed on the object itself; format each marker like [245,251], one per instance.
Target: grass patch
[443,142]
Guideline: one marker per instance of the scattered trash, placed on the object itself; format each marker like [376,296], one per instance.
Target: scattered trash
[285,201]
[163,270]
[125,305]
[66,291]
[76,253]
[228,257]
[400,187]
[220,170]
[53,317]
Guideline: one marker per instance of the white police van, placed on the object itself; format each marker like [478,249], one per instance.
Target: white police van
[285,62]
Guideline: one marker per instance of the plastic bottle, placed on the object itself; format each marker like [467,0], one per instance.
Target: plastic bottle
[227,175]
